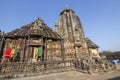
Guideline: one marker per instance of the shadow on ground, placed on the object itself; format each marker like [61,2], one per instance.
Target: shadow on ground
[116,78]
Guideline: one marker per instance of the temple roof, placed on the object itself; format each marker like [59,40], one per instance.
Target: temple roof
[38,28]
[91,44]
[67,10]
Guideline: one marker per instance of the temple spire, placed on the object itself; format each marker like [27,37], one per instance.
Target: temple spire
[70,28]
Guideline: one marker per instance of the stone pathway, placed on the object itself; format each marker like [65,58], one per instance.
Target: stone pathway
[74,75]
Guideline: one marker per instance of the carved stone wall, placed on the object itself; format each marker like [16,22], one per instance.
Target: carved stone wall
[29,38]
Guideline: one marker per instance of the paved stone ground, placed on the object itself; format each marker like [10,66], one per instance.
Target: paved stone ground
[74,75]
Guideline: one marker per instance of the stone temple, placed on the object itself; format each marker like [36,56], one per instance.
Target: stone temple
[67,42]
[70,29]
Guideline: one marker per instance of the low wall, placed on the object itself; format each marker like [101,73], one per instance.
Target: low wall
[17,69]
[24,69]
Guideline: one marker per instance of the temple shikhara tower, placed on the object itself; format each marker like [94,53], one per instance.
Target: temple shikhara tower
[69,27]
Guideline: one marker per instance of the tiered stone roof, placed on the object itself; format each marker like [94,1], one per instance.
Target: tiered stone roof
[91,44]
[36,28]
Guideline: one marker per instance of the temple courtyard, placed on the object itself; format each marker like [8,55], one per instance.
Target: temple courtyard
[75,75]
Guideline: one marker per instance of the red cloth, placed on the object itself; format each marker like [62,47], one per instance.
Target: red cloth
[8,53]
[1,62]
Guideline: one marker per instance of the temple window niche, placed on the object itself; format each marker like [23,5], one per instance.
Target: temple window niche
[76,30]
[77,33]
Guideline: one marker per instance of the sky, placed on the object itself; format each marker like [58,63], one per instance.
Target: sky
[100,18]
